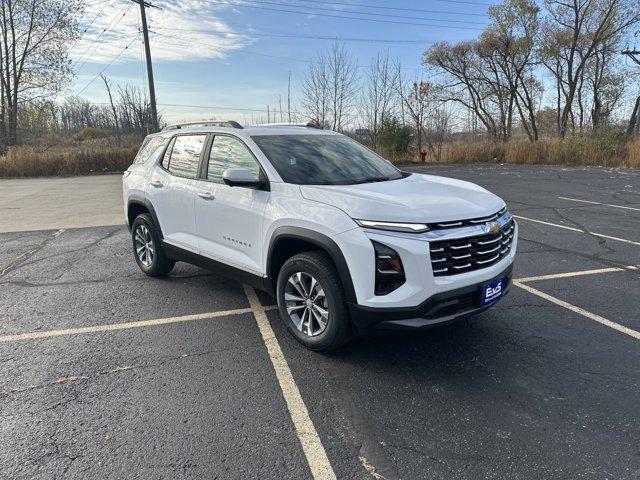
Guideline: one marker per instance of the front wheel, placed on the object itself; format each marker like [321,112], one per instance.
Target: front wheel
[312,303]
[146,247]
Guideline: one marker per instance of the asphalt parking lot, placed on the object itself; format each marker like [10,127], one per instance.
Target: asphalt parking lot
[105,373]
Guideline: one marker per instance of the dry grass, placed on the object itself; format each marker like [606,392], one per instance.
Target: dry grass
[65,161]
[102,156]
[581,151]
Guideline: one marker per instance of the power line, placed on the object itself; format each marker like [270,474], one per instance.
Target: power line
[211,107]
[303,36]
[344,16]
[380,7]
[96,3]
[250,52]
[91,48]
[110,63]
[207,107]
[376,14]
[90,24]
[464,2]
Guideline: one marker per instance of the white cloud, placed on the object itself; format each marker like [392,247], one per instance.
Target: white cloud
[185,30]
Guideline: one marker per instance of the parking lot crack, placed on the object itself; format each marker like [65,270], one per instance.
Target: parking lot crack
[601,241]
[92,244]
[20,260]
[595,258]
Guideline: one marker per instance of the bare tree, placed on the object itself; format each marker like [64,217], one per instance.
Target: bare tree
[135,111]
[329,89]
[430,116]
[380,95]
[607,82]
[342,75]
[416,98]
[438,128]
[36,35]
[510,39]
[315,92]
[572,34]
[470,86]
[114,110]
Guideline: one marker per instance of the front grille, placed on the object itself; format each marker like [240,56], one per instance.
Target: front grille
[467,223]
[449,257]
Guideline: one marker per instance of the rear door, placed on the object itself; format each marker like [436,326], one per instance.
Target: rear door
[171,190]
[230,219]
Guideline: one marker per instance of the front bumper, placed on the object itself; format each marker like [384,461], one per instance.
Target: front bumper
[441,308]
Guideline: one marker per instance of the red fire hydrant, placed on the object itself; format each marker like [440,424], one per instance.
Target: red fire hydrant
[423,155]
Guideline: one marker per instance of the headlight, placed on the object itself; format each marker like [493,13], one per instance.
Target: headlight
[394,226]
[389,270]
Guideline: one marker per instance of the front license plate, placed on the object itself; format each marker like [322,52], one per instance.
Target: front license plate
[492,291]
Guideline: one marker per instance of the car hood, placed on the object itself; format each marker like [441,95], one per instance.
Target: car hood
[416,198]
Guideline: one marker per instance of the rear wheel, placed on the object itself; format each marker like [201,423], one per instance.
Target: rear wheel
[312,303]
[147,248]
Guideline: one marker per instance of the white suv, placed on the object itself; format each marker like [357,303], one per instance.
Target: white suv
[343,239]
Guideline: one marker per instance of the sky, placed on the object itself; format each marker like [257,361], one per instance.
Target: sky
[229,59]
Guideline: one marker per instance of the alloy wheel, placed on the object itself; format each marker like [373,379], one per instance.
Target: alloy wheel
[143,242]
[306,304]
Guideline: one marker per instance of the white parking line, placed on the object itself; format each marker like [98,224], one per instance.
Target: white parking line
[311,444]
[576,274]
[598,203]
[573,229]
[581,311]
[121,326]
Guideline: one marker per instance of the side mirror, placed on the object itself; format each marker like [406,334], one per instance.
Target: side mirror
[241,177]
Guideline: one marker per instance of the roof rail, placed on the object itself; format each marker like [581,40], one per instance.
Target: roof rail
[228,123]
[290,124]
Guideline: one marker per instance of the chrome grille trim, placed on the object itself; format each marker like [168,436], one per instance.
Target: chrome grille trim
[446,233]
[487,242]
[473,221]
[450,256]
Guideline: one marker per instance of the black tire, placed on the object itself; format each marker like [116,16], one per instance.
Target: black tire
[159,265]
[338,329]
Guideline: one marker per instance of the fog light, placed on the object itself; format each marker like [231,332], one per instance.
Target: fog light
[389,270]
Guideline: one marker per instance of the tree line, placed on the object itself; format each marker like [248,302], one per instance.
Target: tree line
[539,68]
[128,112]
[550,68]
[36,37]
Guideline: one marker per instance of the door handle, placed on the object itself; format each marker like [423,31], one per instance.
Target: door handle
[156,183]
[206,195]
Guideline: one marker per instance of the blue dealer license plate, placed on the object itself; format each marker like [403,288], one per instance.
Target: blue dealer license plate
[492,291]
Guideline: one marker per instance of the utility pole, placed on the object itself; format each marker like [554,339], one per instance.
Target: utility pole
[634,121]
[147,52]
[289,96]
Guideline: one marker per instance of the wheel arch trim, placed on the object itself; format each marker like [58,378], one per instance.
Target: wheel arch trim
[324,243]
[144,202]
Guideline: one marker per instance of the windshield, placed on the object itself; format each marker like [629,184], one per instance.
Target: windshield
[324,160]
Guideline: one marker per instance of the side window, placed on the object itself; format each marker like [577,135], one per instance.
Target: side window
[229,152]
[167,155]
[185,155]
[149,149]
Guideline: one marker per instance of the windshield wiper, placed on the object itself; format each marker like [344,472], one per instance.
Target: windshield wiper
[370,180]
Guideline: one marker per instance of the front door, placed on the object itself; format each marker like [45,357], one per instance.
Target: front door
[230,219]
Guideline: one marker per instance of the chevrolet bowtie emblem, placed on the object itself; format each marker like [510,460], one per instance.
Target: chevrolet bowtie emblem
[493,227]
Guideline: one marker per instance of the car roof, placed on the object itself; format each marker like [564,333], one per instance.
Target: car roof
[246,131]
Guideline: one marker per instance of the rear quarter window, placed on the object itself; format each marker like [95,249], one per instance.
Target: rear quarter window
[150,149]
[184,158]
